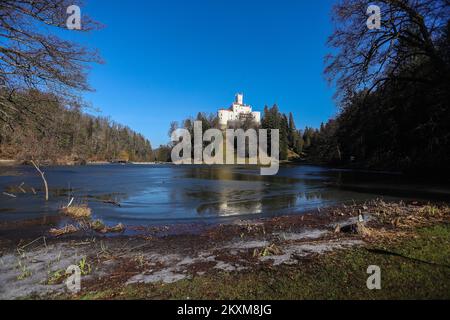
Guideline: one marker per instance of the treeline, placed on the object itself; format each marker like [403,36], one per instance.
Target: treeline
[400,126]
[65,135]
[394,90]
[291,139]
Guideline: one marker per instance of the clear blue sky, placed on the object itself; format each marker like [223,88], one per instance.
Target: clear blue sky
[169,59]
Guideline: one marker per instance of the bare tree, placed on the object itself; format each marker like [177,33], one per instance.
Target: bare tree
[366,59]
[33,57]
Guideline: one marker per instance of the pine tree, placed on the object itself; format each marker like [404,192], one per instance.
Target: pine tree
[284,128]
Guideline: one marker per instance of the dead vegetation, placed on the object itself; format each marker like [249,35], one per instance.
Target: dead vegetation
[68,229]
[12,191]
[398,214]
[410,216]
[271,250]
[391,220]
[77,211]
[100,227]
[82,215]
[356,228]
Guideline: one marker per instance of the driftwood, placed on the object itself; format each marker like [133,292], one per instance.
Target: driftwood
[43,178]
[22,189]
[70,202]
[9,195]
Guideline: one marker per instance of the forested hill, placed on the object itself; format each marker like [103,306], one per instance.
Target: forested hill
[65,134]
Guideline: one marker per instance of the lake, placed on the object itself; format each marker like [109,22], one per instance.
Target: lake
[166,194]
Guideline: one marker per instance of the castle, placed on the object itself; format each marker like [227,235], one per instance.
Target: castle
[238,111]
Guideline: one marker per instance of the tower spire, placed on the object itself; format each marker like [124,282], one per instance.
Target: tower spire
[239,98]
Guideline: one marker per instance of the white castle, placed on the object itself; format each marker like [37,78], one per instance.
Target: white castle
[238,111]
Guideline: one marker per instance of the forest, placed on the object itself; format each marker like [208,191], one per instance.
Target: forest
[67,135]
[393,89]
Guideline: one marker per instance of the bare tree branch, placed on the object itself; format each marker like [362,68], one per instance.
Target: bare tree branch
[366,58]
[32,58]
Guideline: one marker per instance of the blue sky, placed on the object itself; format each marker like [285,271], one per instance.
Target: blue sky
[167,60]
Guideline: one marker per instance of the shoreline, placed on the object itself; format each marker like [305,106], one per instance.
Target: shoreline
[157,263]
[8,162]
[13,162]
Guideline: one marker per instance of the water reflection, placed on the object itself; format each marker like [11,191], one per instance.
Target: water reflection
[150,194]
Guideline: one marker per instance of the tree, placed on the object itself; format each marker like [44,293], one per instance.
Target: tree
[163,153]
[393,87]
[124,156]
[33,59]
[173,127]
[308,137]
[273,119]
[284,143]
[292,131]
[299,145]
[410,31]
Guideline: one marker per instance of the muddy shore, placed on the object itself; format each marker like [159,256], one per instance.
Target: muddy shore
[161,262]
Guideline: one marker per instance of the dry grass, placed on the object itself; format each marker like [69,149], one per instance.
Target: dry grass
[409,216]
[398,214]
[392,220]
[268,251]
[118,228]
[77,212]
[66,230]
[100,227]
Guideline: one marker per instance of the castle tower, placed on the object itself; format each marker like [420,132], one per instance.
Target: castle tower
[239,99]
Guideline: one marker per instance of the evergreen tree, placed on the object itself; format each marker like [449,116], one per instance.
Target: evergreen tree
[284,143]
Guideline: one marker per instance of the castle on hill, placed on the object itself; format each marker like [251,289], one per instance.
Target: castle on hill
[238,112]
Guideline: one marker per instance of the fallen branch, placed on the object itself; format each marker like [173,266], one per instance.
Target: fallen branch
[9,195]
[22,189]
[43,178]
[70,202]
